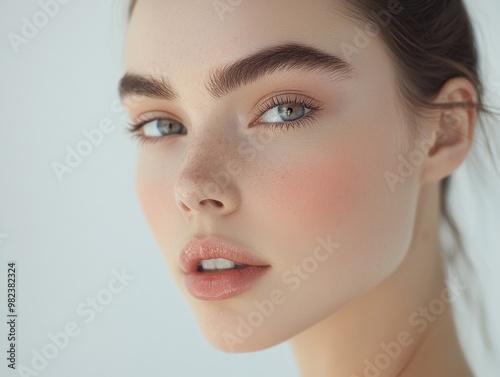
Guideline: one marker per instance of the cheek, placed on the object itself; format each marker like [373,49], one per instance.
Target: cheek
[315,190]
[154,190]
[339,192]
[300,200]
[149,181]
[310,194]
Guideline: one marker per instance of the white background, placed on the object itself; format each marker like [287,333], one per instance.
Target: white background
[67,237]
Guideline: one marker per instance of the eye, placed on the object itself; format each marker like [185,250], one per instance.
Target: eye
[287,112]
[162,127]
[154,129]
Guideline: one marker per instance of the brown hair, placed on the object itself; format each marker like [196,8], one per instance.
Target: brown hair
[430,43]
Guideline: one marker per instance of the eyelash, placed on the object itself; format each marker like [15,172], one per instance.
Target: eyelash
[307,119]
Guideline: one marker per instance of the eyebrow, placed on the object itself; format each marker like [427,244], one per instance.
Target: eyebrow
[231,76]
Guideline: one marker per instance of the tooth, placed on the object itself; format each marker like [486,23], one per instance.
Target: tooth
[222,263]
[218,264]
[208,264]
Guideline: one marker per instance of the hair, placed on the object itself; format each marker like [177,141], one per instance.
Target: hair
[430,43]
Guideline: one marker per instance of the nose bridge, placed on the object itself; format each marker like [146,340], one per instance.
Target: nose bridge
[205,153]
[203,176]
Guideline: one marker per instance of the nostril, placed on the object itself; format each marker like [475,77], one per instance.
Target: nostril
[184,207]
[216,203]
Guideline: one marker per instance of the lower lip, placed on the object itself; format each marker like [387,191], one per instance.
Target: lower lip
[211,286]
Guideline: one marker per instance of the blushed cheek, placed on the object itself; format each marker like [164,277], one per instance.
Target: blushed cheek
[313,193]
[336,192]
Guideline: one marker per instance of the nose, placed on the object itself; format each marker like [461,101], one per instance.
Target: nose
[206,184]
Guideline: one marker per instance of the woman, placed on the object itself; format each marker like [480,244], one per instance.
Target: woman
[293,168]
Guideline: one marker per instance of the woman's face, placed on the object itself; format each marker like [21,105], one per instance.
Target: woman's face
[322,203]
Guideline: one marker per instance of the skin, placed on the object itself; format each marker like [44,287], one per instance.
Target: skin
[323,180]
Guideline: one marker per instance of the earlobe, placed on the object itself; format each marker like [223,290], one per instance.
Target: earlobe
[453,130]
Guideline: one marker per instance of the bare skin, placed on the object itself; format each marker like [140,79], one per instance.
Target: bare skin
[420,280]
[326,180]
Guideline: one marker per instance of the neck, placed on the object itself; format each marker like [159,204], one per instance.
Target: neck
[402,327]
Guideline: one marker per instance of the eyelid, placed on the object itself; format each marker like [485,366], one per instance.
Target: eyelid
[277,99]
[135,128]
[137,123]
[153,115]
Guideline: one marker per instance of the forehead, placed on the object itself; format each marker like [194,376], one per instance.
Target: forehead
[184,41]
[211,33]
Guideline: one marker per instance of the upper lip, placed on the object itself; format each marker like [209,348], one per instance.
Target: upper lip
[198,249]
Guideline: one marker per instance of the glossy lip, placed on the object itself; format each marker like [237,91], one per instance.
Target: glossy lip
[210,286]
[212,247]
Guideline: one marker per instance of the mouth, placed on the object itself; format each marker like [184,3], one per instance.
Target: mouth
[217,270]
[219,264]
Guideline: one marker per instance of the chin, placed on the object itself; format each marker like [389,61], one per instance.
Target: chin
[238,336]
[242,324]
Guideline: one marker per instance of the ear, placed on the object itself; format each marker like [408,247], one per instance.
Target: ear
[453,130]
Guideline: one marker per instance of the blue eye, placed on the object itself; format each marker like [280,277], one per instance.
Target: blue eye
[287,112]
[283,111]
[152,130]
[162,127]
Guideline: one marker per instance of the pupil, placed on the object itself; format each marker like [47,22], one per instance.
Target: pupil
[166,127]
[289,112]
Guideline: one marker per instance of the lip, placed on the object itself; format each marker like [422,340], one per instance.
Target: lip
[209,286]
